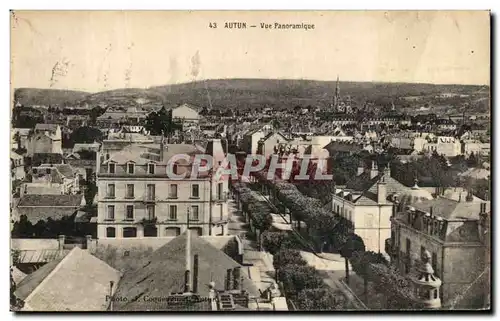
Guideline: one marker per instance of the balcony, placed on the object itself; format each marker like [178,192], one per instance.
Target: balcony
[147,221]
[149,199]
[219,220]
[220,198]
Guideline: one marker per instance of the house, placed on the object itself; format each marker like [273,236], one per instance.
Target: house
[53,179]
[20,137]
[196,272]
[367,202]
[17,166]
[272,143]
[76,282]
[475,147]
[138,198]
[250,140]
[344,148]
[456,234]
[38,207]
[46,138]
[186,114]
[447,146]
[94,147]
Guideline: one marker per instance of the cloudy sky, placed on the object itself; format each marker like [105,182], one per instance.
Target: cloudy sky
[93,51]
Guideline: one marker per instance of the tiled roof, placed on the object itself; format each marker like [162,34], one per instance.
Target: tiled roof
[164,274]
[40,256]
[451,209]
[31,281]
[38,200]
[35,214]
[17,275]
[48,127]
[138,153]
[77,282]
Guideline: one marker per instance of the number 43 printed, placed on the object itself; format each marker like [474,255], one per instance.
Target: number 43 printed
[212,25]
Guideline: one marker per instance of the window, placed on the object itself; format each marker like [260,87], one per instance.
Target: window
[35,171]
[150,231]
[220,189]
[173,191]
[195,213]
[151,212]
[422,252]
[110,232]
[408,258]
[129,215]
[172,214]
[151,168]
[48,171]
[130,168]
[434,263]
[129,232]
[111,212]
[107,156]
[174,169]
[111,168]
[195,190]
[150,192]
[130,190]
[111,191]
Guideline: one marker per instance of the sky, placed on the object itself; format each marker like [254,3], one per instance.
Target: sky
[102,50]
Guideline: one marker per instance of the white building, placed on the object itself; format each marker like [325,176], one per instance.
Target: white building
[137,198]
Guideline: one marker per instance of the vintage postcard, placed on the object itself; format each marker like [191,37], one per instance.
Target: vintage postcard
[250,161]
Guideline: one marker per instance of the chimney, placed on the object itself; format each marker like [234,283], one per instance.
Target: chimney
[381,191]
[469,198]
[374,170]
[227,286]
[387,170]
[482,210]
[195,274]
[187,275]
[361,168]
[61,242]
[237,278]
[111,283]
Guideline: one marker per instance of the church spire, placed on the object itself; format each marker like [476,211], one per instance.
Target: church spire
[336,98]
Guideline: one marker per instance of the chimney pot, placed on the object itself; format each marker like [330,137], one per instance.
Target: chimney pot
[228,280]
[236,278]
[195,273]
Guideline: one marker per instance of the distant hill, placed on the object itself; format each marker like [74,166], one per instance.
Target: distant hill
[238,93]
[35,96]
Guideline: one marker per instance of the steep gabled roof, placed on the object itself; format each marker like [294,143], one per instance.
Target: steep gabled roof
[77,282]
[164,274]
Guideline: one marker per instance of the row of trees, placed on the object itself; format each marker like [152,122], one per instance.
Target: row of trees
[46,229]
[301,283]
[258,210]
[337,232]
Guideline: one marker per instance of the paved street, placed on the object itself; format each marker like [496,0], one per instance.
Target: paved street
[261,269]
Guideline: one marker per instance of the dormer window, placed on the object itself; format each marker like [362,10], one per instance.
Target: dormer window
[130,168]
[151,168]
[111,168]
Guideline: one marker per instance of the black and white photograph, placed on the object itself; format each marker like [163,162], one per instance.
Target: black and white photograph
[250,161]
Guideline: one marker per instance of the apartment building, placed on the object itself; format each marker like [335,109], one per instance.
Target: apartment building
[366,202]
[137,198]
[455,234]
